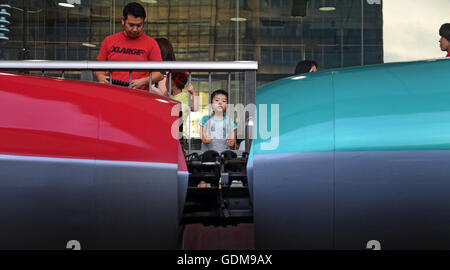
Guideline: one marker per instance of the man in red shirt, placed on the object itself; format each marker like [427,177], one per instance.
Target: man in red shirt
[444,42]
[130,45]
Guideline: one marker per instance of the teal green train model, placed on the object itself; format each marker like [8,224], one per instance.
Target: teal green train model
[362,159]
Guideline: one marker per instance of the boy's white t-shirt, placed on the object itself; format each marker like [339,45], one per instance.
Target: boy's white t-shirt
[219,131]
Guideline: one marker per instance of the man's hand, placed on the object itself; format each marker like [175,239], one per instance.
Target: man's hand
[137,84]
[102,77]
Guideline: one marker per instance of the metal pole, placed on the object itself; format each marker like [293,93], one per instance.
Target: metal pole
[189,116]
[131,78]
[67,36]
[362,32]
[24,30]
[237,30]
[342,45]
[250,98]
[229,94]
[229,86]
[237,44]
[209,88]
[170,84]
[150,83]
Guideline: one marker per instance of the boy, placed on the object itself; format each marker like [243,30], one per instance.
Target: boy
[218,132]
[444,42]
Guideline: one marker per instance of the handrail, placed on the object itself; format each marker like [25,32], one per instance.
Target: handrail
[228,66]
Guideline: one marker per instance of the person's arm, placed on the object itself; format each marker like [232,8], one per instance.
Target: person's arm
[162,87]
[157,90]
[231,142]
[205,139]
[156,77]
[194,104]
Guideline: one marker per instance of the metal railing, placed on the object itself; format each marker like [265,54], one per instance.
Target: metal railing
[249,69]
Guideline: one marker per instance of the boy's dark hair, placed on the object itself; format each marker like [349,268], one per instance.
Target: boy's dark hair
[305,66]
[166,49]
[444,31]
[219,92]
[135,9]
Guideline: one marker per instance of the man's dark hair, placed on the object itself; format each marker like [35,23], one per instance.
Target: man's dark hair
[305,66]
[219,92]
[135,9]
[444,31]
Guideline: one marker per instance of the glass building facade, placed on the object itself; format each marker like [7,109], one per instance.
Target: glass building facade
[276,33]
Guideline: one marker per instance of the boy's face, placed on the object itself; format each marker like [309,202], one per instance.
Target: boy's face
[219,103]
[444,43]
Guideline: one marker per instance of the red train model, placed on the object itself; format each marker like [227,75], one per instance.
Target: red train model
[87,162]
